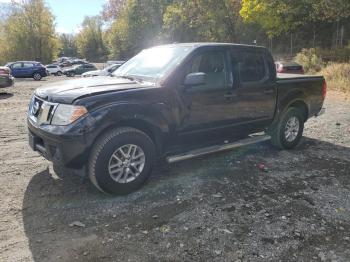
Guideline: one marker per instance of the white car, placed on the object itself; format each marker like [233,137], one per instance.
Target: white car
[54,70]
[104,72]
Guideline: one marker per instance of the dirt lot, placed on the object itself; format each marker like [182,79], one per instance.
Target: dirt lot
[217,208]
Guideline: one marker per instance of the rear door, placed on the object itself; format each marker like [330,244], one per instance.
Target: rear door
[255,88]
[28,69]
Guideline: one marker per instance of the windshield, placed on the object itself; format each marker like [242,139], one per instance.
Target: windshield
[153,63]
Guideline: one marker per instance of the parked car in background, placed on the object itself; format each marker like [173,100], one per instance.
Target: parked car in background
[289,68]
[79,69]
[66,63]
[6,79]
[28,69]
[54,70]
[104,72]
[78,62]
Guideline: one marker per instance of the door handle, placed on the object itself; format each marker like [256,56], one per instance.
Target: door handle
[230,95]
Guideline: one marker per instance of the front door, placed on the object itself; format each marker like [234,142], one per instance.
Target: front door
[208,106]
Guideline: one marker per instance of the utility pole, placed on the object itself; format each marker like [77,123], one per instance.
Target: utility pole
[341,36]
[291,45]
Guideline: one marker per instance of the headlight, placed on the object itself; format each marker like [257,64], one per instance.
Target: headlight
[67,114]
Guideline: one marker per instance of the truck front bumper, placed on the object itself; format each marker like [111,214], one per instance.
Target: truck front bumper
[62,145]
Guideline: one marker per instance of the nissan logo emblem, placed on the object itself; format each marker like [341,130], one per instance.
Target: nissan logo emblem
[35,108]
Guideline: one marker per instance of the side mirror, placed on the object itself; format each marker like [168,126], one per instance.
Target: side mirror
[195,79]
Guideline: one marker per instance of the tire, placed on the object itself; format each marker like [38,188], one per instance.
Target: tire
[288,139]
[59,73]
[37,76]
[71,74]
[107,149]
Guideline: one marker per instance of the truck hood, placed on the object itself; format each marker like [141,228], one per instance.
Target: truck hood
[68,91]
[97,72]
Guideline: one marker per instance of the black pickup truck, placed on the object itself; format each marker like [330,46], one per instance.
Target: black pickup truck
[170,102]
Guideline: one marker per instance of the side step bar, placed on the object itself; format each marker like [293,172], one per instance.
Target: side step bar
[217,148]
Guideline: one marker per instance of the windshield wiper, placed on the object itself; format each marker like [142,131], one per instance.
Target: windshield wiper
[131,78]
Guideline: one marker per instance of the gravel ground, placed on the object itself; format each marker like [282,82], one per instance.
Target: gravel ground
[217,208]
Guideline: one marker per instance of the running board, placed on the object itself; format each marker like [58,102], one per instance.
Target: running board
[217,148]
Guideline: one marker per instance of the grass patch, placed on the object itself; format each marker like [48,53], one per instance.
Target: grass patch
[337,76]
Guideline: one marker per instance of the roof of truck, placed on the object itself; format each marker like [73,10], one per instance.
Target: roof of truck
[200,44]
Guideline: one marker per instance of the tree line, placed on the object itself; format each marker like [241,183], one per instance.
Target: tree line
[125,27]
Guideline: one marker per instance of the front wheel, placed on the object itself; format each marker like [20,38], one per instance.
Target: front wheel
[121,160]
[59,73]
[289,129]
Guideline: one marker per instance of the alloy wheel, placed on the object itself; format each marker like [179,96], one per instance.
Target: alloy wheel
[126,163]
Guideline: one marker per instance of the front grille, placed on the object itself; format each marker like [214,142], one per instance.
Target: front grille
[40,111]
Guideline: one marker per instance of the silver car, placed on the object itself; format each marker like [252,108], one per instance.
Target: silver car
[104,72]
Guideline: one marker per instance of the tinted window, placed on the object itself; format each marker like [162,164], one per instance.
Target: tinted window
[17,65]
[213,65]
[27,65]
[250,66]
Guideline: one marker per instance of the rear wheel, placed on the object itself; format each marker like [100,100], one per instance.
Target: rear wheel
[289,129]
[71,74]
[37,76]
[121,160]
[59,73]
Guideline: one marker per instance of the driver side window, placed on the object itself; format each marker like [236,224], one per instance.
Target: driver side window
[213,65]
[17,65]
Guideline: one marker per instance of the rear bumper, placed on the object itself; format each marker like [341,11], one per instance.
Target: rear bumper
[6,81]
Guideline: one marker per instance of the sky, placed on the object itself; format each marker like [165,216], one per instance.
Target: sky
[70,14]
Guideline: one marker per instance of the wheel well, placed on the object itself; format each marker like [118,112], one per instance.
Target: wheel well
[301,105]
[152,131]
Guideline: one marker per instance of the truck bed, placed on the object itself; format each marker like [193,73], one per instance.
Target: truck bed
[283,77]
[307,87]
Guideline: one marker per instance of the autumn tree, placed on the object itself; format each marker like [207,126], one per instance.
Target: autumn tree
[139,25]
[29,32]
[112,8]
[201,20]
[281,17]
[89,40]
[68,45]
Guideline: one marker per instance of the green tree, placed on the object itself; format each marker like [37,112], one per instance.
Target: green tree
[90,40]
[112,8]
[278,17]
[138,26]
[30,31]
[201,20]
[68,45]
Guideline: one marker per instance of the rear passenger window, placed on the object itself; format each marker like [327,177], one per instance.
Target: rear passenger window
[27,65]
[251,67]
